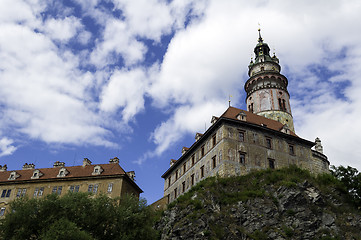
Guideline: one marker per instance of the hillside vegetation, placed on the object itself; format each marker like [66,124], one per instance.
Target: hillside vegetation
[287,203]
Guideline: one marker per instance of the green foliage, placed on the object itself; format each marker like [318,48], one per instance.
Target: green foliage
[78,216]
[351,180]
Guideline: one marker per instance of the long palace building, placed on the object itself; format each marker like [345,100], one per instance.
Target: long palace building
[109,179]
[239,141]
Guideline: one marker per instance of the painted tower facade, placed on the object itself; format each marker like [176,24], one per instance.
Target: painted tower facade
[266,87]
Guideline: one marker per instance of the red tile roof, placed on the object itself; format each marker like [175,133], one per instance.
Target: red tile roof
[232,113]
[74,172]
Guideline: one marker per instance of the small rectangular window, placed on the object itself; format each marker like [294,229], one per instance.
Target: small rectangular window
[77,188]
[214,162]
[292,149]
[269,143]
[193,158]
[59,190]
[176,174]
[3,194]
[36,192]
[242,158]
[54,189]
[23,192]
[95,189]
[202,151]
[175,193]
[8,193]
[71,189]
[18,194]
[271,163]
[241,136]
[183,186]
[2,211]
[184,168]
[214,140]
[90,187]
[41,191]
[202,171]
[192,179]
[110,187]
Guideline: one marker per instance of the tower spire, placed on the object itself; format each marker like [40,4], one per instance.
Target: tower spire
[260,40]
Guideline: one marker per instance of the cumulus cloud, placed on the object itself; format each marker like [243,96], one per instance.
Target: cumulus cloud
[6,146]
[62,29]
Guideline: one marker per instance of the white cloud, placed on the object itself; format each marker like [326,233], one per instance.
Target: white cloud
[62,29]
[6,146]
[125,90]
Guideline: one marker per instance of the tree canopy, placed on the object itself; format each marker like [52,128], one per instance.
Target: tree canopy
[78,216]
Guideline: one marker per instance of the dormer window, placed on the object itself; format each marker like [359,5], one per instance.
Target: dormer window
[97,170]
[13,176]
[36,174]
[62,172]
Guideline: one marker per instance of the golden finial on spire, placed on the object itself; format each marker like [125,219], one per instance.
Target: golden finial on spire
[259,33]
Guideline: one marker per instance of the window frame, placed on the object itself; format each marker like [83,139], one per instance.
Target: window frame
[202,171]
[242,160]
[269,144]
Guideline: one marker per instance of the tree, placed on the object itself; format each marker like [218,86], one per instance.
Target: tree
[78,216]
[351,179]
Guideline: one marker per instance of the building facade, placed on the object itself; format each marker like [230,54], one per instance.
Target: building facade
[239,141]
[109,179]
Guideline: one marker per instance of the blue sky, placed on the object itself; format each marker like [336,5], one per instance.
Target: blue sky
[137,79]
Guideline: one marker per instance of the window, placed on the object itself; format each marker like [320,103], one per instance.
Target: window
[230,133]
[242,158]
[71,189]
[192,179]
[169,181]
[77,188]
[3,194]
[175,193]
[62,172]
[8,193]
[36,192]
[214,162]
[35,174]
[214,140]
[269,143]
[271,163]
[183,186]
[193,157]
[95,189]
[202,151]
[241,136]
[184,168]
[176,174]
[21,192]
[2,211]
[202,171]
[292,149]
[59,190]
[97,170]
[41,191]
[110,187]
[90,187]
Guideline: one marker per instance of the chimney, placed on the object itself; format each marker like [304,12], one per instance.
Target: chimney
[114,160]
[86,162]
[172,161]
[214,119]
[3,168]
[28,166]
[198,136]
[131,174]
[184,150]
[59,164]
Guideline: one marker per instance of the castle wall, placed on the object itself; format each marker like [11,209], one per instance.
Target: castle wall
[261,150]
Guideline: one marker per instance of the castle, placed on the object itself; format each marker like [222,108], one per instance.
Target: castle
[239,141]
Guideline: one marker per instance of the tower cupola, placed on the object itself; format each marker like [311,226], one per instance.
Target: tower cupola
[266,87]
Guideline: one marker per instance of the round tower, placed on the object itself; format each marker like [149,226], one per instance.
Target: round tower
[266,87]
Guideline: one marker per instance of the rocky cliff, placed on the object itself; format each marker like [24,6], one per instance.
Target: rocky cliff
[272,204]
